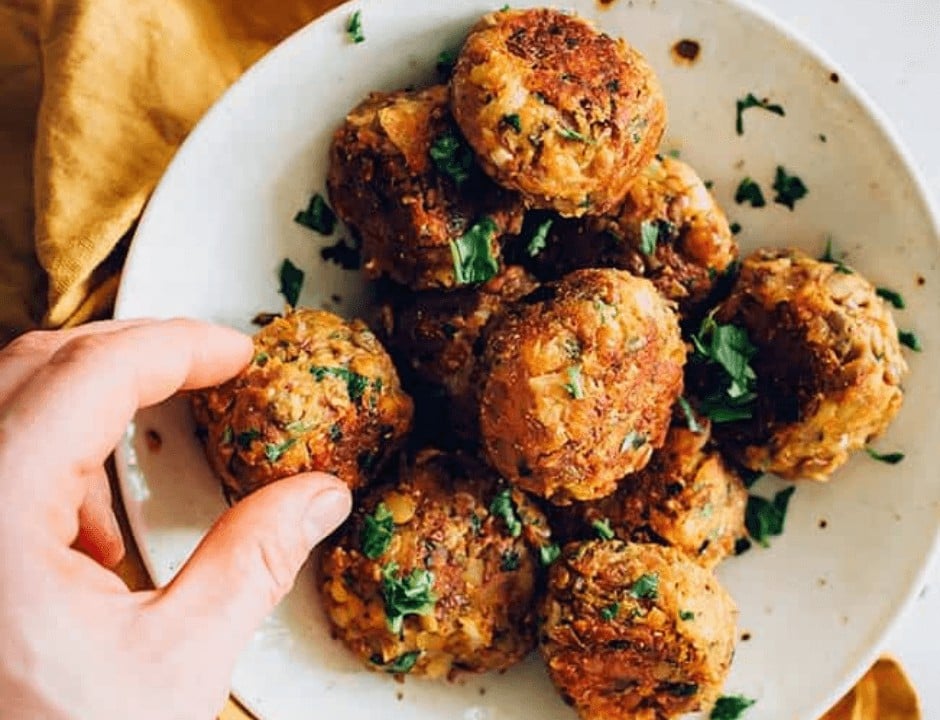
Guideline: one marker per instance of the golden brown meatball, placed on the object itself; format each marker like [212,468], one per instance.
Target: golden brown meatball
[635,632]
[687,498]
[320,394]
[828,364]
[577,384]
[437,572]
[387,183]
[556,109]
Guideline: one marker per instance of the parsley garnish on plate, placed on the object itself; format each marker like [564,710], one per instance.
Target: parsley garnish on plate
[790,188]
[910,339]
[406,594]
[538,241]
[646,588]
[244,439]
[292,280]
[452,157]
[402,664]
[446,59]
[574,386]
[649,235]
[690,419]
[549,554]
[377,531]
[765,518]
[318,216]
[749,192]
[569,134]
[603,529]
[610,612]
[503,506]
[730,707]
[686,615]
[509,561]
[889,458]
[752,101]
[829,256]
[728,348]
[473,253]
[633,441]
[354,27]
[892,296]
[735,228]
[346,255]
[273,451]
[356,384]
[514,121]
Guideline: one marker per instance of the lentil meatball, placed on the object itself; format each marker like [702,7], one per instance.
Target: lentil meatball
[320,394]
[557,110]
[577,384]
[829,365]
[467,546]
[687,498]
[386,186]
[635,632]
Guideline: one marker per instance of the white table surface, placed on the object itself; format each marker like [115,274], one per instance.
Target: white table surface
[892,49]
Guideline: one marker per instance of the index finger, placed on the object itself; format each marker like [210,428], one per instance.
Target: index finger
[65,420]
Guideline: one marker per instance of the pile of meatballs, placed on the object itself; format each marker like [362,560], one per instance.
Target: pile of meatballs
[523,422]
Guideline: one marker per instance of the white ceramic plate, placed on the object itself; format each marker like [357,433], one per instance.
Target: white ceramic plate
[819,602]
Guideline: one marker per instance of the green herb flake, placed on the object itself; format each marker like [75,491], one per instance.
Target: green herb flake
[610,612]
[244,439]
[686,615]
[318,216]
[539,239]
[569,134]
[575,386]
[730,707]
[335,432]
[452,157]
[729,348]
[403,663]
[503,506]
[377,531]
[446,60]
[356,384]
[829,256]
[765,518]
[476,524]
[292,280]
[646,588]
[549,554]
[649,235]
[603,529]
[354,27]
[690,419]
[473,253]
[509,561]
[513,121]
[749,192]
[273,451]
[227,435]
[735,228]
[261,358]
[888,458]
[752,101]
[790,188]
[893,297]
[633,441]
[909,338]
[406,594]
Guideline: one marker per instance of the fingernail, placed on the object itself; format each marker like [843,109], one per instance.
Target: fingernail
[326,511]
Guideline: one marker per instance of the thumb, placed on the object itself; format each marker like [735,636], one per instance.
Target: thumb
[248,561]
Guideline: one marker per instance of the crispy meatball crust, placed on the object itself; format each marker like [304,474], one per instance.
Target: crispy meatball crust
[484,578]
[385,186]
[687,498]
[829,365]
[556,109]
[578,382]
[635,632]
[320,394]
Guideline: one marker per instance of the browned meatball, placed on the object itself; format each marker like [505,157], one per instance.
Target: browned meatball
[320,394]
[687,497]
[635,632]
[577,384]
[437,572]
[556,109]
[828,364]
[403,179]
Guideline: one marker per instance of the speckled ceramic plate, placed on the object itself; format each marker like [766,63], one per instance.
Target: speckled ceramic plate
[818,603]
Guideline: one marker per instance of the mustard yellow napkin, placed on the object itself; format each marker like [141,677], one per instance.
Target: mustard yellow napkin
[95,97]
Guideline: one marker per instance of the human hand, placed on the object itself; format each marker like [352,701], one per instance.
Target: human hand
[76,643]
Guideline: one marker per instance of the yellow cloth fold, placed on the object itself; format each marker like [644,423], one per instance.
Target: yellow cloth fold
[95,97]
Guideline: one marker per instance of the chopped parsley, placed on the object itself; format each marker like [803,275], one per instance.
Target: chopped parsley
[503,506]
[569,134]
[610,612]
[828,256]
[764,518]
[335,432]
[633,441]
[888,458]
[513,121]
[749,192]
[574,386]
[403,663]
[603,529]
[406,595]
[473,253]
[318,216]
[354,27]
[261,358]
[689,413]
[649,234]
[646,588]
[452,157]
[730,707]
[377,531]
[549,554]
[910,339]
[752,101]
[356,384]
[893,297]
[680,689]
[509,561]
[686,615]
[728,348]
[735,228]
[292,279]
[789,188]
[244,439]
[538,241]
[446,59]
[346,255]
[273,451]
